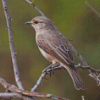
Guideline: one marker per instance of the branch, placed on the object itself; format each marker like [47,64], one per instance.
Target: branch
[13,53]
[10,96]
[48,71]
[77,54]
[35,7]
[87,67]
[14,96]
[11,43]
[92,71]
[20,93]
[19,96]
[44,73]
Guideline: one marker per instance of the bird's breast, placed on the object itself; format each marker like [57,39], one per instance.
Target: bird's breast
[46,55]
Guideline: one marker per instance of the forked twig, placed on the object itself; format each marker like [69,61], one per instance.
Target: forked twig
[22,93]
[92,71]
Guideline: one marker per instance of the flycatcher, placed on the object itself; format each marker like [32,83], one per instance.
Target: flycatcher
[53,47]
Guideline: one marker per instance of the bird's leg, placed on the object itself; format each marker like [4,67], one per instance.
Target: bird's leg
[50,68]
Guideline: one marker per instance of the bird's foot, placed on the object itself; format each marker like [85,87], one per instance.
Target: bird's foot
[50,69]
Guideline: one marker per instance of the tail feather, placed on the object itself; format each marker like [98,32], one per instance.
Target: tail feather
[78,83]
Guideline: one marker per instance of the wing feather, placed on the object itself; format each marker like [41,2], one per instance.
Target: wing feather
[56,48]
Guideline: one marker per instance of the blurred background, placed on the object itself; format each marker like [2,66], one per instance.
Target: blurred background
[78,20]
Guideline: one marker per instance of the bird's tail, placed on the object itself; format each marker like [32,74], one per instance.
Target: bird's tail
[78,83]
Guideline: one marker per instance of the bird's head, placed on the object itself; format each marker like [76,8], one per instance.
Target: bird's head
[40,22]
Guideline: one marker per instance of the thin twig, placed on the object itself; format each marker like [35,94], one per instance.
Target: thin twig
[60,67]
[19,96]
[35,7]
[43,76]
[87,67]
[38,82]
[92,8]
[77,54]
[92,73]
[14,89]
[11,43]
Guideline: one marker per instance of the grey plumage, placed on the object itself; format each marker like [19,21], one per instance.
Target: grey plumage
[52,45]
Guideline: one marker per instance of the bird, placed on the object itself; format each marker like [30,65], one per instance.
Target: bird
[52,44]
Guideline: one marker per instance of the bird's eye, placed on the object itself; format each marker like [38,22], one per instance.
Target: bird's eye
[36,22]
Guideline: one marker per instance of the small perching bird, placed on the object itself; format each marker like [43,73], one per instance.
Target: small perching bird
[53,47]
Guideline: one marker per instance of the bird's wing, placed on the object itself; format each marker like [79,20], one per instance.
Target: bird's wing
[56,47]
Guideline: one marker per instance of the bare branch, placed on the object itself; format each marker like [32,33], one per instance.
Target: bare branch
[38,82]
[10,96]
[47,71]
[35,7]
[11,43]
[24,93]
[14,96]
[20,92]
[77,54]
[19,96]
[85,64]
[60,67]
[13,53]
[44,73]
[92,8]
[87,67]
[43,95]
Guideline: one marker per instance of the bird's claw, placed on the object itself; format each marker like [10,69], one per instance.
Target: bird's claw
[50,69]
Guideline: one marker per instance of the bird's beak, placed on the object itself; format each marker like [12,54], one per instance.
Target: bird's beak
[29,22]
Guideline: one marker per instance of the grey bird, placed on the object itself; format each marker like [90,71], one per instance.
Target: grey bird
[53,47]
